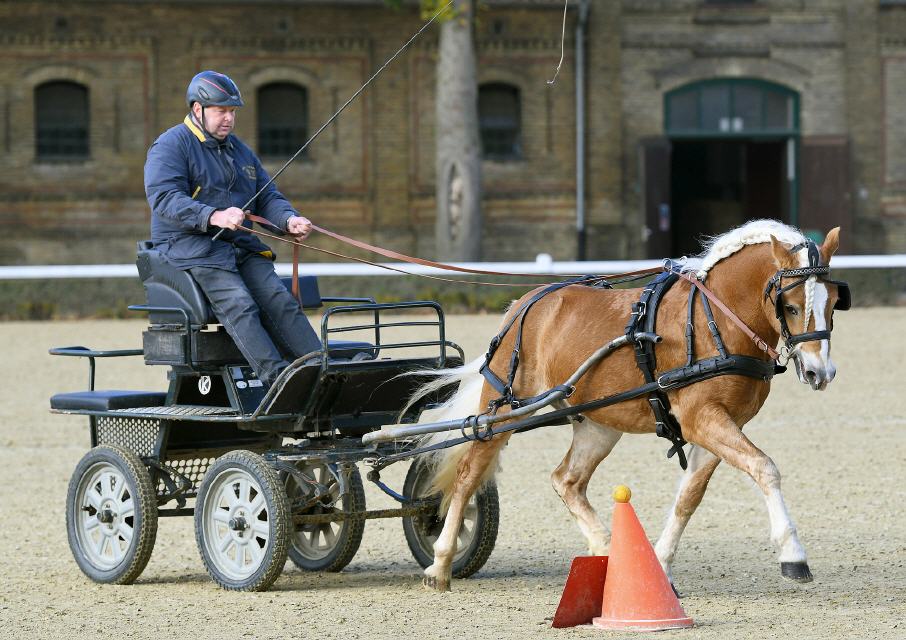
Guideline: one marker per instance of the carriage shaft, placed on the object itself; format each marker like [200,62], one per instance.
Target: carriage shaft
[546,399]
[323,518]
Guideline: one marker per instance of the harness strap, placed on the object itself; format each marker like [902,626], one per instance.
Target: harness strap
[754,337]
[644,314]
[505,389]
[715,334]
[690,328]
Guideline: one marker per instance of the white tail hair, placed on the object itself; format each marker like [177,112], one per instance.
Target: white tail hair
[463,403]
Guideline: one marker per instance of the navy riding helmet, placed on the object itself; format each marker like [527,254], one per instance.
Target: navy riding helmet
[212,89]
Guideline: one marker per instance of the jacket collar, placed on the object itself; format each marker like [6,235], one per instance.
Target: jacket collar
[203,136]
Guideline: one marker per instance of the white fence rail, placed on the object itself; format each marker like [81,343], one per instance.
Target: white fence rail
[543,264]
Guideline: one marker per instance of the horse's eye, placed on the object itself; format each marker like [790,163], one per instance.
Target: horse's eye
[790,309]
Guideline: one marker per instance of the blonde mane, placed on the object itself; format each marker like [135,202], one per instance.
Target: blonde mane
[723,246]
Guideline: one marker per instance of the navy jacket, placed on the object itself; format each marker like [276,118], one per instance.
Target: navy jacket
[189,175]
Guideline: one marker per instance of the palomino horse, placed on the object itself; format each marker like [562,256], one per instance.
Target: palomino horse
[565,327]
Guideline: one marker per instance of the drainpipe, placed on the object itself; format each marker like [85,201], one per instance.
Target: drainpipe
[581,25]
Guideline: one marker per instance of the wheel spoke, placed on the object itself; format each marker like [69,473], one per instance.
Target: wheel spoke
[116,549]
[107,485]
[330,536]
[125,531]
[228,496]
[224,544]
[262,529]
[120,489]
[257,505]
[465,533]
[94,499]
[90,523]
[255,552]
[470,513]
[244,491]
[239,560]
[100,545]
[127,509]
[221,515]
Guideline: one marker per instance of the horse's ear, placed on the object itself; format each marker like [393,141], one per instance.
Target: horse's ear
[781,252]
[830,246]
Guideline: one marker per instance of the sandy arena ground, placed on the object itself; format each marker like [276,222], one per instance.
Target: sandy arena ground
[842,454]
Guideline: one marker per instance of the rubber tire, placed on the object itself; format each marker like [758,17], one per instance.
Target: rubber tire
[485,534]
[350,538]
[138,481]
[279,520]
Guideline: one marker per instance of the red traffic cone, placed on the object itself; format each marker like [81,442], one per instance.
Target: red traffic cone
[637,593]
[581,599]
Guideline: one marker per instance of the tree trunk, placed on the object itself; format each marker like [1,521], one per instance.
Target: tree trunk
[458,229]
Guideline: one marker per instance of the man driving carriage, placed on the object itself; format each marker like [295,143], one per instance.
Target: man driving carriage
[197,176]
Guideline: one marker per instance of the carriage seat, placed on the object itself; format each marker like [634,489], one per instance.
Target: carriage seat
[172,288]
[106,400]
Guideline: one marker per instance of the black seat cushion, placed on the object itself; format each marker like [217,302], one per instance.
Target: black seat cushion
[351,348]
[106,400]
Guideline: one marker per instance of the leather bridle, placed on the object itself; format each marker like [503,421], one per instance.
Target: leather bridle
[775,290]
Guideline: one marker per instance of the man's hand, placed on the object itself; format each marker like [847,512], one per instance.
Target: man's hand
[231,218]
[299,227]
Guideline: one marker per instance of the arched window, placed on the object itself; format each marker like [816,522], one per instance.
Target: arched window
[732,107]
[500,121]
[282,119]
[61,121]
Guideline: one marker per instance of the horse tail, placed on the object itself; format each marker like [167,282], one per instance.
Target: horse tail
[464,402]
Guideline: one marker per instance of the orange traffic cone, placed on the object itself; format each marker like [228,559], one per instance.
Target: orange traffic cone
[637,593]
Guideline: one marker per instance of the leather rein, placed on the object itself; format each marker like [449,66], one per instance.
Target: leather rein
[388,253]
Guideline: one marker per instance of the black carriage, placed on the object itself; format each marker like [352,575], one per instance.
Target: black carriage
[266,473]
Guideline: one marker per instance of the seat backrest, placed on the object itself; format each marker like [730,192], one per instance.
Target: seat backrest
[308,291]
[167,286]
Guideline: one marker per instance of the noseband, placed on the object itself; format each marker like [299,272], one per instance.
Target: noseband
[775,286]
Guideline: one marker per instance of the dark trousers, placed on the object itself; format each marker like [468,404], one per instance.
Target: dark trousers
[262,317]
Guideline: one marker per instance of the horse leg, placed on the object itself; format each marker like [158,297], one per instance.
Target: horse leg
[702,464]
[591,443]
[724,439]
[471,472]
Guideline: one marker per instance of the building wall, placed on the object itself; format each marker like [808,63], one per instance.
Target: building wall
[371,173]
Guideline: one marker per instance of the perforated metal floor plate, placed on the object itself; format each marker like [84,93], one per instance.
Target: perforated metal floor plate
[180,410]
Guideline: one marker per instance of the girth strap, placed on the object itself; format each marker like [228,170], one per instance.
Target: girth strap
[644,316]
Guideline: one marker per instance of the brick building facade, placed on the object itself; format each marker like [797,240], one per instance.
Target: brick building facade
[697,115]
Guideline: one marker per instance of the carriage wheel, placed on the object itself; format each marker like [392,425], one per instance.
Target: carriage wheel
[111,515]
[477,534]
[328,546]
[242,522]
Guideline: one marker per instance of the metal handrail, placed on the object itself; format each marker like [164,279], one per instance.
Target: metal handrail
[376,308]
[91,354]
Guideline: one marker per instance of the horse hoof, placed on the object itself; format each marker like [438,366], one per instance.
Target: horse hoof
[797,571]
[433,583]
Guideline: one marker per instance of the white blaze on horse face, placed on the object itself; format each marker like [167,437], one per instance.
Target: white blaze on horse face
[815,365]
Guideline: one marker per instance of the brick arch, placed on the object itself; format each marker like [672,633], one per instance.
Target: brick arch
[774,71]
[302,76]
[60,72]
[503,75]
